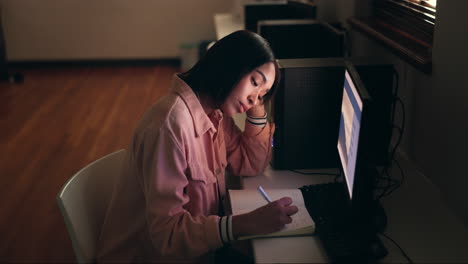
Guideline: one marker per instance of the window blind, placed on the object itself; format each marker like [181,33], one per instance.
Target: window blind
[414,19]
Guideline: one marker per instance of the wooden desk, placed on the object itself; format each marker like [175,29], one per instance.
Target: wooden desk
[418,221]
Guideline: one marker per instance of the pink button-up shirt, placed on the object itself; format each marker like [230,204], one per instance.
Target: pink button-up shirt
[166,203]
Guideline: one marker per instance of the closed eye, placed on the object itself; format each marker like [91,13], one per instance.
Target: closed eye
[253,81]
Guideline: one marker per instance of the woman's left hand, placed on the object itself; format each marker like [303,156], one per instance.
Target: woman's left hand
[257,110]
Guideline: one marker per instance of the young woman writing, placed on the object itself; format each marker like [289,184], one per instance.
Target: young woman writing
[167,205]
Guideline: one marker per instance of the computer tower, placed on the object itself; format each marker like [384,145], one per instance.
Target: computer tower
[302,38]
[306,111]
[307,107]
[269,10]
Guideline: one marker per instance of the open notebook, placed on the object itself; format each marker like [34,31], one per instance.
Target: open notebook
[244,201]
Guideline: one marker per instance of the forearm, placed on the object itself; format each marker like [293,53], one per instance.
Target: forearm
[241,226]
[248,152]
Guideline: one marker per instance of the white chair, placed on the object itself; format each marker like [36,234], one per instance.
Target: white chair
[83,201]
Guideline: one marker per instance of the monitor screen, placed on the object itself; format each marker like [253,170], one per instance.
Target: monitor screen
[356,145]
[350,126]
[357,149]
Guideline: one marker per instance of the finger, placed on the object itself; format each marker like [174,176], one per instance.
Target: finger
[285,201]
[287,220]
[291,210]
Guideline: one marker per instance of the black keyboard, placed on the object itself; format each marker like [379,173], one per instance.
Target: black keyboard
[342,239]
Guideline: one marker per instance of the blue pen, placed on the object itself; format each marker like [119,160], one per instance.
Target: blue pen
[264,194]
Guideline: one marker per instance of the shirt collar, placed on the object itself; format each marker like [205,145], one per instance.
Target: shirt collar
[201,121]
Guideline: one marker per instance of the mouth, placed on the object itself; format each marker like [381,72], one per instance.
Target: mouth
[241,108]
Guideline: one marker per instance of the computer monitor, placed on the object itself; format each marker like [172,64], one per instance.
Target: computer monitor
[302,38]
[256,11]
[356,150]
[347,215]
[306,112]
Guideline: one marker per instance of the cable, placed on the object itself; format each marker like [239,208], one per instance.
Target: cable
[402,127]
[384,182]
[390,185]
[396,244]
[400,182]
[394,101]
[394,105]
[394,94]
[397,79]
[396,84]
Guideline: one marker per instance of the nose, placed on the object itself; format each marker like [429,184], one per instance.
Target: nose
[253,99]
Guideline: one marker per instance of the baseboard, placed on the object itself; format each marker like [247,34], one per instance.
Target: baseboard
[94,63]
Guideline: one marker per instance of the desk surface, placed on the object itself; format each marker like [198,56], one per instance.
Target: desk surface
[418,221]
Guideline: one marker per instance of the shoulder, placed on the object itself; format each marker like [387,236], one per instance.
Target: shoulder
[168,115]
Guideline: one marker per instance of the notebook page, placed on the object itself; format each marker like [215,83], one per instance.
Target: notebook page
[244,201]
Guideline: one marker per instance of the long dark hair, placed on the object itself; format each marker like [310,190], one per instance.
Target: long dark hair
[226,62]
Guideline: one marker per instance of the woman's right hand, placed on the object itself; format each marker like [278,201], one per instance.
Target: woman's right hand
[266,219]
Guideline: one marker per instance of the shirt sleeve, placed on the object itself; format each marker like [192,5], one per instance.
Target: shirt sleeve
[248,152]
[174,232]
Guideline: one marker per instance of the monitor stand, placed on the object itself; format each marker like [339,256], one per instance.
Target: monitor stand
[369,225]
[378,222]
[377,249]
[379,217]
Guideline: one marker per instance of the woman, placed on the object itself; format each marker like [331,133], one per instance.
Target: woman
[167,205]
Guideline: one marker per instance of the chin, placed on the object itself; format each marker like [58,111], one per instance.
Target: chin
[229,113]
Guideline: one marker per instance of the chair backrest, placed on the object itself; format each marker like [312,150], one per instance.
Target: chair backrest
[83,201]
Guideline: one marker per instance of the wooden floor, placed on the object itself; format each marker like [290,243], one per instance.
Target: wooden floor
[52,125]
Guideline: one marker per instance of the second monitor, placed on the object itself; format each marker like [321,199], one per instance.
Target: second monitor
[255,11]
[307,108]
[302,38]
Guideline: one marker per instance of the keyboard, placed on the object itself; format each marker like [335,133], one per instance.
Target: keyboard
[342,238]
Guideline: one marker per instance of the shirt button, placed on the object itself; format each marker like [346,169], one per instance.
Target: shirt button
[218,171]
